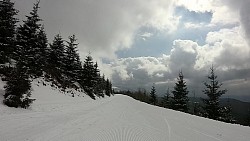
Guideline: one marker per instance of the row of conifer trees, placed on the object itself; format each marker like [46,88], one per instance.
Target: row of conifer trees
[178,99]
[25,54]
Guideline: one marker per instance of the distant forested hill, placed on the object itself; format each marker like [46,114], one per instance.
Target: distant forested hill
[240,109]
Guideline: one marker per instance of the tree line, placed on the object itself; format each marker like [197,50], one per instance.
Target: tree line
[25,54]
[178,99]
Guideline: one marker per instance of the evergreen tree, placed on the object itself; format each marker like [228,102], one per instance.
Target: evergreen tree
[28,43]
[142,96]
[145,96]
[42,52]
[212,106]
[98,88]
[17,88]
[72,61]
[88,76]
[226,114]
[96,74]
[108,90]
[103,84]
[166,99]
[7,30]
[180,92]
[247,120]
[153,97]
[100,82]
[56,64]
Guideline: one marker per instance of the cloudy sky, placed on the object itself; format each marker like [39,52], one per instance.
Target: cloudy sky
[138,43]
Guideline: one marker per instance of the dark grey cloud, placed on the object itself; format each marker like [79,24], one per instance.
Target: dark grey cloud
[102,27]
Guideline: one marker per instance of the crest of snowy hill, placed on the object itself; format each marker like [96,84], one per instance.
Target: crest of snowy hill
[47,95]
[58,116]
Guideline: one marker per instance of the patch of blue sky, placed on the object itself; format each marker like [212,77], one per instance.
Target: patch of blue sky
[198,34]
[192,16]
[153,46]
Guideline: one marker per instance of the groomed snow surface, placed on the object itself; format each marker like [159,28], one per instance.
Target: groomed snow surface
[56,116]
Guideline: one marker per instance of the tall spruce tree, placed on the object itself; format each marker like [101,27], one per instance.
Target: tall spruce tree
[103,84]
[89,76]
[212,103]
[55,67]
[153,97]
[28,43]
[108,89]
[99,89]
[72,61]
[180,92]
[42,51]
[7,30]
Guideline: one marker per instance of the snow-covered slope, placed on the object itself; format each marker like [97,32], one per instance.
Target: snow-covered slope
[58,117]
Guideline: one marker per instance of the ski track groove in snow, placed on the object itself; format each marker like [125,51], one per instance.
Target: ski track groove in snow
[123,130]
[212,137]
[168,127]
[83,118]
[123,134]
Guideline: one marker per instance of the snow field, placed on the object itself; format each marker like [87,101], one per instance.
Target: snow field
[56,116]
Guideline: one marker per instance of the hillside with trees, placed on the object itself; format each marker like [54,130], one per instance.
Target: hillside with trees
[26,54]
